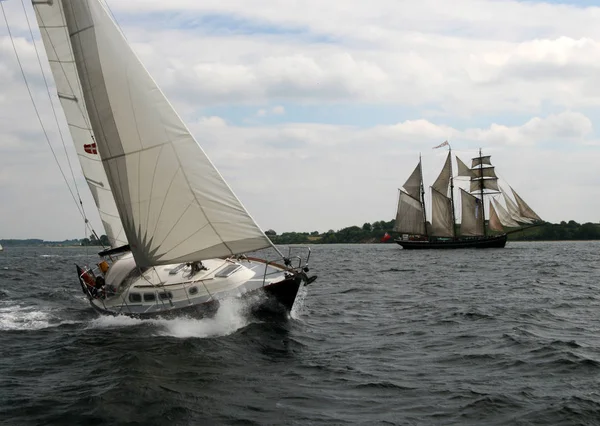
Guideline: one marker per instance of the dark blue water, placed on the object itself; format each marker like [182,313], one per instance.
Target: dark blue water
[385,336]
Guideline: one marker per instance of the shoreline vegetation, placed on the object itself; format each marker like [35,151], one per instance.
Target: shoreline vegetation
[368,233]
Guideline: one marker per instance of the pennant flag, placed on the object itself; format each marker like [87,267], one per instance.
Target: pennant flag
[445,143]
[385,237]
[90,148]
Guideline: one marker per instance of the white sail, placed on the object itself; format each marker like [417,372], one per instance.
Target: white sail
[504,216]
[484,172]
[55,36]
[481,160]
[413,184]
[524,209]
[174,205]
[409,216]
[494,222]
[442,223]
[513,210]
[491,184]
[1,248]
[463,169]
[472,215]
[442,183]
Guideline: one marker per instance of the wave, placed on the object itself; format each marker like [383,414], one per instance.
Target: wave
[28,318]
[230,317]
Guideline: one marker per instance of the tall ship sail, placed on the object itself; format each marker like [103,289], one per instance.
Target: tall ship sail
[474,230]
[178,234]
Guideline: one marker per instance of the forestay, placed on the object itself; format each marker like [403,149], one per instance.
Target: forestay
[174,205]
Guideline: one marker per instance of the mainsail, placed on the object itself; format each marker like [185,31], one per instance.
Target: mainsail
[174,205]
[410,218]
[55,36]
[442,223]
[442,215]
[472,215]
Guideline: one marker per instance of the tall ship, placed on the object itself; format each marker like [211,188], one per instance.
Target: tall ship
[443,232]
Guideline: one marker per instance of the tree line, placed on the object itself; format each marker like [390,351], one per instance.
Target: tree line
[365,234]
[374,232]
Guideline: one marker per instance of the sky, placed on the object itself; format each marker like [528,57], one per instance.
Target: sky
[316,112]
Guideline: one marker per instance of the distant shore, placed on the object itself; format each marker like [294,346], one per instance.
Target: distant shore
[369,233]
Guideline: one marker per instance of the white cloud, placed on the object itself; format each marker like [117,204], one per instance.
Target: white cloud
[278,110]
[350,174]
[444,65]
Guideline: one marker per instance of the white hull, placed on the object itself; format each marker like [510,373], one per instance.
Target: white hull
[172,289]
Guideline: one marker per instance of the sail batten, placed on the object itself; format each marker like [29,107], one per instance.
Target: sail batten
[173,203]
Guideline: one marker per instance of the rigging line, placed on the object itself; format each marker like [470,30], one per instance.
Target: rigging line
[36,109]
[114,18]
[62,138]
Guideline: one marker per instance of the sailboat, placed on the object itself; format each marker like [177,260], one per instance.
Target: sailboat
[442,232]
[180,238]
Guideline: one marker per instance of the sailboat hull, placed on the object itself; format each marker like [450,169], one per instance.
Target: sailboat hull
[496,241]
[176,290]
[271,300]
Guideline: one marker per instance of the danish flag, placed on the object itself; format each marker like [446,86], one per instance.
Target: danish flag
[90,148]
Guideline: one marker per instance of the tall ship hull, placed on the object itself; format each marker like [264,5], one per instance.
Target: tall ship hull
[474,230]
[496,241]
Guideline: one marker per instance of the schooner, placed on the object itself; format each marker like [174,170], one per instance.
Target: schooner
[443,232]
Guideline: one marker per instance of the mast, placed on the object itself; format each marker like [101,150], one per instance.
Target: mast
[481,191]
[423,197]
[452,194]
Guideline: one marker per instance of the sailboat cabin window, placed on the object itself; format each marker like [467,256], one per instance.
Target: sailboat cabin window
[227,271]
[165,295]
[193,290]
[149,297]
[135,297]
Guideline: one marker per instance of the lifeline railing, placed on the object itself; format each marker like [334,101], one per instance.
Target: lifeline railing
[289,262]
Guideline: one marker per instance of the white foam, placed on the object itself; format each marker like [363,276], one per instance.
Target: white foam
[229,318]
[298,308]
[28,318]
[115,322]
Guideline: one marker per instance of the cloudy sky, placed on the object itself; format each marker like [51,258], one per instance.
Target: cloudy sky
[316,111]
